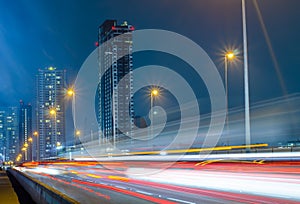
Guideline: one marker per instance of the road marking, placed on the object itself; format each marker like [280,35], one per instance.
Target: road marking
[182,201]
[121,187]
[143,192]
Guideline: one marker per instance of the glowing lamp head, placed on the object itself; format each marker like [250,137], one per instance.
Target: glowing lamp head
[52,112]
[154,92]
[230,55]
[70,92]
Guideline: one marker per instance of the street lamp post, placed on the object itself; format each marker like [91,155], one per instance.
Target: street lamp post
[53,113]
[37,145]
[24,149]
[77,134]
[71,93]
[30,140]
[19,157]
[228,56]
[153,93]
[246,80]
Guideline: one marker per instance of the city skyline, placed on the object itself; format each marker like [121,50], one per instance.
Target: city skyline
[69,49]
[162,101]
[266,64]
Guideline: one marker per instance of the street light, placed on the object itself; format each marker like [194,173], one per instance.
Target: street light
[77,134]
[227,57]
[30,140]
[19,157]
[71,93]
[53,113]
[37,145]
[154,92]
[246,80]
[24,149]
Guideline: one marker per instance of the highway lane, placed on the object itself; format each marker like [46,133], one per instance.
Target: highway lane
[211,181]
[87,194]
[109,187]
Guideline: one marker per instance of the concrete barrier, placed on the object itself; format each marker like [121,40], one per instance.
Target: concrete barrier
[40,192]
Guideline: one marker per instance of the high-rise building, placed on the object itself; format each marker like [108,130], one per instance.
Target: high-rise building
[25,128]
[115,100]
[9,139]
[2,135]
[50,111]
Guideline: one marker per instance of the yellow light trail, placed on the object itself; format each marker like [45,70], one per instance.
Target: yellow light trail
[194,150]
[94,176]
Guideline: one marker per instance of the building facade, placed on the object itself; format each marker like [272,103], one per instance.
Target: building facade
[114,99]
[2,135]
[9,134]
[25,129]
[50,112]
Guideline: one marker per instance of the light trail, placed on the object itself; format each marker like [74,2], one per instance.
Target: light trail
[184,182]
[164,152]
[275,156]
[265,184]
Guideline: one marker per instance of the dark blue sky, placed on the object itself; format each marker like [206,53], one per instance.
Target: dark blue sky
[61,33]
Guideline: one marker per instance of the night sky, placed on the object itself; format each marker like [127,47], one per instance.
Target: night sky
[36,34]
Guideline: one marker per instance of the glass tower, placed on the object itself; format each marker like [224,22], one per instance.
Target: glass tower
[50,111]
[25,128]
[114,98]
[9,139]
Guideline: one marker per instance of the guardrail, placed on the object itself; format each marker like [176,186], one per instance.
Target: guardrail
[40,192]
